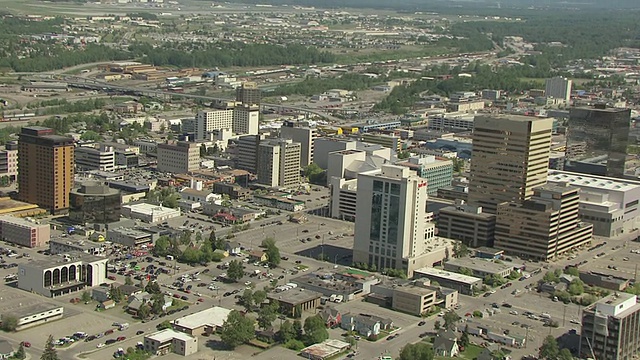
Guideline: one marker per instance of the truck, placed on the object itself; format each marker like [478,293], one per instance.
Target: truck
[292,285]
[123,326]
[170,257]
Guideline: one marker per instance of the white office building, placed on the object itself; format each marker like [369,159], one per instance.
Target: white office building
[391,228]
[178,158]
[149,213]
[211,121]
[558,87]
[91,158]
[246,120]
[278,163]
[305,136]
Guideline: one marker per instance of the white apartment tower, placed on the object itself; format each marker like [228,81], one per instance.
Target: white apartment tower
[278,163]
[211,121]
[390,223]
[246,120]
[558,87]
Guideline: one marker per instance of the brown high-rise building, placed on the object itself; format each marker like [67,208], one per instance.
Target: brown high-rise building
[510,157]
[45,168]
[249,94]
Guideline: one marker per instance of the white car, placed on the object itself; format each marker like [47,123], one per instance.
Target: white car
[101,345]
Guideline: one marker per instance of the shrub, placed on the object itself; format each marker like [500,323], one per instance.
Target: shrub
[294,344]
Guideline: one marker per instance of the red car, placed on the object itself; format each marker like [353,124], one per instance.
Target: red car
[177,296]
[201,300]
[108,332]
[25,344]
[121,338]
[111,277]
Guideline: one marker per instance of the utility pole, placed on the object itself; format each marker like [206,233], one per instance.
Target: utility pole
[564,313]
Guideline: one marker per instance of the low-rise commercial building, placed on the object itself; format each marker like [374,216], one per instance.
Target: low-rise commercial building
[65,246]
[346,285]
[34,315]
[413,297]
[57,276]
[479,268]
[463,283]
[606,281]
[325,350]
[279,202]
[611,328]
[149,213]
[178,158]
[169,340]
[234,191]
[91,158]
[203,322]
[297,299]
[129,237]
[23,231]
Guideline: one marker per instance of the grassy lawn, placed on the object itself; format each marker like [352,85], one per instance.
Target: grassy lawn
[470,353]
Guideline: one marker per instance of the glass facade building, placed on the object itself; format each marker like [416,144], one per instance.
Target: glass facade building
[94,203]
[597,142]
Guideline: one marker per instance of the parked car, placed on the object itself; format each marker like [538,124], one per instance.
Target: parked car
[26,344]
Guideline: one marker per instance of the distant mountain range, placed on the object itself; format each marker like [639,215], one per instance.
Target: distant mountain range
[432,5]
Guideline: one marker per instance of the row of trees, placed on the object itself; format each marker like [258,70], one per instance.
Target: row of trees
[229,54]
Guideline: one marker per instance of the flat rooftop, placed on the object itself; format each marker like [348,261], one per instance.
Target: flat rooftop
[214,316]
[24,311]
[591,181]
[55,260]
[295,296]
[166,335]
[150,209]
[480,265]
[447,275]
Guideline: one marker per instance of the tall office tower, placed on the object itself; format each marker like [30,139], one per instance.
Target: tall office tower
[597,140]
[390,223]
[248,152]
[278,163]
[559,88]
[510,157]
[249,94]
[543,227]
[304,135]
[611,328]
[210,121]
[45,168]
[246,119]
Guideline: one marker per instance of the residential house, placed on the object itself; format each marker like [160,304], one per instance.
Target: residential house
[108,304]
[367,326]
[331,316]
[222,252]
[233,247]
[487,353]
[258,255]
[446,344]
[135,301]
[6,350]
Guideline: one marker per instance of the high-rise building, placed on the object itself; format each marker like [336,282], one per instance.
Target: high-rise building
[278,163]
[211,121]
[510,157]
[597,140]
[305,136]
[558,87]
[246,119]
[437,171]
[390,223]
[611,328]
[247,158]
[178,158]
[543,227]
[249,94]
[45,168]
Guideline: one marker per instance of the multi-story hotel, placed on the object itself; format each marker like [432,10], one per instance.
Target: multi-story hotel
[543,227]
[246,119]
[278,163]
[45,168]
[213,120]
[178,158]
[611,328]
[510,157]
[249,94]
[305,136]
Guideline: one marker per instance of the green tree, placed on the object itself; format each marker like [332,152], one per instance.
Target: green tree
[297,328]
[9,322]
[273,254]
[464,338]
[157,303]
[49,352]
[116,294]
[161,247]
[437,325]
[549,349]
[286,332]
[315,330]
[164,325]
[576,287]
[153,287]
[465,271]
[235,271]
[247,299]
[86,297]
[128,280]
[259,296]
[572,270]
[565,354]
[268,314]
[144,311]
[236,330]
[294,344]
[417,351]
[90,135]
[20,354]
